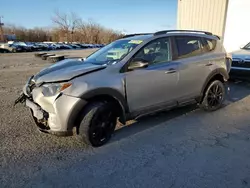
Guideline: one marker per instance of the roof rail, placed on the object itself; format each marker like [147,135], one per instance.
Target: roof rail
[191,31]
[136,34]
[218,37]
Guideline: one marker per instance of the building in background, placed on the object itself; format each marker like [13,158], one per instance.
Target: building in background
[225,18]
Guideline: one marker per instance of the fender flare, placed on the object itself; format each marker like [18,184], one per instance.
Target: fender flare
[116,95]
[220,71]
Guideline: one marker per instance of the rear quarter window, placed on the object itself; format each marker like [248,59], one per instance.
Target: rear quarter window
[210,44]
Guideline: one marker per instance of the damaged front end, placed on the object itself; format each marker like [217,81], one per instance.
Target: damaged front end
[52,109]
[39,115]
[49,95]
[26,93]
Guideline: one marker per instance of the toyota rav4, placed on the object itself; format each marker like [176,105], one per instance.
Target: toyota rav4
[154,72]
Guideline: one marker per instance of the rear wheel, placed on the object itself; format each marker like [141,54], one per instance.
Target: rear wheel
[97,124]
[214,96]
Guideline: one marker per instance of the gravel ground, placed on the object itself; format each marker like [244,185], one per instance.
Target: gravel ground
[182,148]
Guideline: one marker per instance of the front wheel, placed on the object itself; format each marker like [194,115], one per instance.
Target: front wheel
[214,96]
[97,124]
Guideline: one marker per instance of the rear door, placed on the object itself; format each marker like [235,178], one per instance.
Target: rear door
[194,66]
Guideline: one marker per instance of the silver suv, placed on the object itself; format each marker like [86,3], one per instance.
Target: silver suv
[131,77]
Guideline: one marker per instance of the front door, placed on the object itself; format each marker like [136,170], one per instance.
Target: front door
[155,85]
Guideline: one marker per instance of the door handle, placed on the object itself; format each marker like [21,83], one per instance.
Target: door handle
[209,64]
[170,71]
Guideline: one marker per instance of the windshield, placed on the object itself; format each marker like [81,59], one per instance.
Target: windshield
[113,52]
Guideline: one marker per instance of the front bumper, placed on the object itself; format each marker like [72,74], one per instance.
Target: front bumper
[55,115]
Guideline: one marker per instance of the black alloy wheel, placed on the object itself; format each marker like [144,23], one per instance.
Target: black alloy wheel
[214,96]
[102,127]
[97,123]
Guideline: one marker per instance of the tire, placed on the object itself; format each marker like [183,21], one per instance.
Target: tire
[97,123]
[214,96]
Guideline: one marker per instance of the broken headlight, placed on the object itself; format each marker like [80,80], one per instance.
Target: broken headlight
[49,90]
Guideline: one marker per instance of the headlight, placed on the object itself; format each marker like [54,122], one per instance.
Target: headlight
[53,89]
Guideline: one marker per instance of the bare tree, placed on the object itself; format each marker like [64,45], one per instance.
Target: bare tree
[67,23]
[92,32]
[69,27]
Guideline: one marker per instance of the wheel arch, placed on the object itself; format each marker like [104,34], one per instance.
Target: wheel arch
[111,95]
[218,74]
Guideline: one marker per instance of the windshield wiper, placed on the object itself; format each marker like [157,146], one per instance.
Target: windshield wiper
[109,62]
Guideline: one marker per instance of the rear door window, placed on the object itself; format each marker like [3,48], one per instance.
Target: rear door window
[188,46]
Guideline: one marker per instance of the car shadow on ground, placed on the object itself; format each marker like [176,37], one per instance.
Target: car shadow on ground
[238,91]
[150,121]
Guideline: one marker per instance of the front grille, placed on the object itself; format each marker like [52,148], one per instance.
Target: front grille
[244,64]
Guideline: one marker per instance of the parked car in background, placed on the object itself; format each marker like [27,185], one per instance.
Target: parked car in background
[66,46]
[75,46]
[13,46]
[34,46]
[90,45]
[40,47]
[49,47]
[84,46]
[16,47]
[2,50]
[54,46]
[241,63]
[155,72]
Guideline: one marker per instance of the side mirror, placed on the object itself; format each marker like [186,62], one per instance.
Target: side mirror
[138,63]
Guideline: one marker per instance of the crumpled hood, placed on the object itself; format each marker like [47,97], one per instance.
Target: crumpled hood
[65,70]
[242,53]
